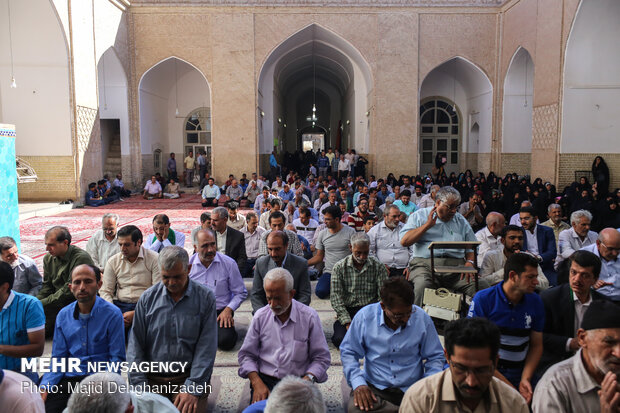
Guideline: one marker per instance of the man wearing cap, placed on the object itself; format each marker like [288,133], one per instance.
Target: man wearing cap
[586,382]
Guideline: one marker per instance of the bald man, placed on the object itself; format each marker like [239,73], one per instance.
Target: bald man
[489,235]
[607,248]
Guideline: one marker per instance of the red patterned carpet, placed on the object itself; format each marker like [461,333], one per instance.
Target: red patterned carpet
[184,214]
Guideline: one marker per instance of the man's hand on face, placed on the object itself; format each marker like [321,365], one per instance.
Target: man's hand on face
[609,395]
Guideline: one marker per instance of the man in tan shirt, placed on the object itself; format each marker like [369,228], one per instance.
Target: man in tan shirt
[468,386]
[555,222]
[129,273]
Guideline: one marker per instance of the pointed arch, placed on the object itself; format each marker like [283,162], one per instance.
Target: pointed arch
[518,103]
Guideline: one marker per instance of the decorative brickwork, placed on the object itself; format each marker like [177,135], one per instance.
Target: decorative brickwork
[545,127]
[89,147]
[56,179]
[516,162]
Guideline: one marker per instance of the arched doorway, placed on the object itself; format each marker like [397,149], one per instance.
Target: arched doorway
[440,134]
[170,92]
[461,83]
[197,133]
[313,76]
[518,109]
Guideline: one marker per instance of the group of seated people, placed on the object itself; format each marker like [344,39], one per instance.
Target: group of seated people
[543,330]
[104,192]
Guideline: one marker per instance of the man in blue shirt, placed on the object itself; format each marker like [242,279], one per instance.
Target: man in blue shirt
[93,197]
[520,315]
[22,324]
[90,329]
[399,345]
[442,222]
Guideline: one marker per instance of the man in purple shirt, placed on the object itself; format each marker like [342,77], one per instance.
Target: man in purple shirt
[284,338]
[221,274]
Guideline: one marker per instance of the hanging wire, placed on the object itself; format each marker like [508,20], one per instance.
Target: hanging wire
[13,83]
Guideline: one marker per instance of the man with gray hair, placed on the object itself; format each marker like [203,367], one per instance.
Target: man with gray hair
[291,395]
[28,280]
[607,248]
[103,244]
[108,393]
[428,200]
[439,223]
[356,282]
[489,235]
[577,237]
[555,221]
[175,320]
[284,338]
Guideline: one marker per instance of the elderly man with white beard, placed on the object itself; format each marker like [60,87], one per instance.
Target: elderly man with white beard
[284,338]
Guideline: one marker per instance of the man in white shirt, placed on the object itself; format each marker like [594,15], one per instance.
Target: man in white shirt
[305,225]
[471,211]
[103,244]
[607,248]
[489,235]
[577,237]
[152,189]
[385,243]
[235,219]
[516,220]
[252,234]
[28,280]
[163,236]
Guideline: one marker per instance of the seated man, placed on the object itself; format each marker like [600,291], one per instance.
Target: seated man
[514,307]
[278,256]
[221,274]
[577,237]
[152,189]
[471,210]
[291,395]
[252,234]
[172,190]
[516,218]
[489,235]
[305,224]
[607,248]
[205,223]
[555,221]
[404,204]
[284,338]
[229,241]
[251,192]
[234,191]
[511,241]
[28,280]
[105,190]
[385,244]
[129,273]
[586,382]
[286,195]
[58,263]
[90,329]
[19,394]
[277,222]
[210,194]
[22,323]
[356,220]
[264,196]
[235,219]
[103,244]
[119,186]
[472,345]
[440,223]
[399,345]
[93,197]
[565,305]
[163,236]
[540,242]
[356,282]
[190,306]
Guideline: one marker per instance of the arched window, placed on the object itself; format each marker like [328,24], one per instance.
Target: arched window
[197,133]
[157,161]
[439,133]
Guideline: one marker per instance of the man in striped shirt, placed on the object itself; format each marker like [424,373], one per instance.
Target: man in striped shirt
[519,313]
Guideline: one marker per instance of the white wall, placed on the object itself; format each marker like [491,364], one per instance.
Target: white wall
[113,95]
[39,106]
[474,99]
[518,104]
[591,105]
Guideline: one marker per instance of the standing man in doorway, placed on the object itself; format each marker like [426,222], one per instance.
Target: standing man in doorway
[190,164]
[172,167]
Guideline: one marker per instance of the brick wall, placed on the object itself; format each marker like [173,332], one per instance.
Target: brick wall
[515,162]
[571,162]
[56,179]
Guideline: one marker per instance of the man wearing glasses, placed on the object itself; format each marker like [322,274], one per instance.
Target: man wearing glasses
[103,244]
[607,248]
[442,222]
[472,346]
[399,345]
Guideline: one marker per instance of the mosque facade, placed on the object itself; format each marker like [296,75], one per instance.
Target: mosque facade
[108,86]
